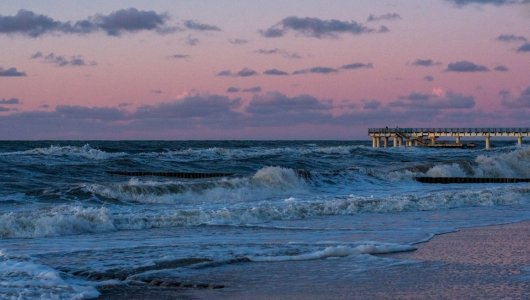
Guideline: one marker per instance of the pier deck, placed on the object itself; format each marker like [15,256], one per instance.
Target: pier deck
[428,136]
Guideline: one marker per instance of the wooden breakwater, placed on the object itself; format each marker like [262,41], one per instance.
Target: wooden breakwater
[470,180]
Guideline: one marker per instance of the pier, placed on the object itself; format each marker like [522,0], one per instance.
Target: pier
[428,137]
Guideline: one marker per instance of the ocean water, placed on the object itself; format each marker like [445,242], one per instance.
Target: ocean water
[68,227]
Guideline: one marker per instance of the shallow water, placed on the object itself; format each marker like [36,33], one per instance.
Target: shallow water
[67,226]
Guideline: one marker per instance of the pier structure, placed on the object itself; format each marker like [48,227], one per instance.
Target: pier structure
[427,137]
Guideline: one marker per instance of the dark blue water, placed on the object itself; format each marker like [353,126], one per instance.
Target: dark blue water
[67,226]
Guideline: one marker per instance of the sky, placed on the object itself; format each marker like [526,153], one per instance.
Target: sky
[250,69]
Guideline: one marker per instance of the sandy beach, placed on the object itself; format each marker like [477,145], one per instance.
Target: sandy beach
[491,262]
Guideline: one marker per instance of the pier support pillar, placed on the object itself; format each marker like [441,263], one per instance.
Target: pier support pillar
[373,141]
[378,142]
[520,140]
[416,143]
[409,143]
[458,140]
[433,140]
[400,141]
[488,145]
[395,141]
[385,141]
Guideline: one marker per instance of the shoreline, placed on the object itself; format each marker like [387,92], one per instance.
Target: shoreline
[486,262]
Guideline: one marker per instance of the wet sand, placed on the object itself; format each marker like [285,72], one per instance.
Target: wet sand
[491,262]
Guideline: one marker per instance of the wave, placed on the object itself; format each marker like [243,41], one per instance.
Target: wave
[513,164]
[74,219]
[264,183]
[24,279]
[337,251]
[85,151]
[214,153]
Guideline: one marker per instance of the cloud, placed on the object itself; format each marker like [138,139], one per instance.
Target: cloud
[179,56]
[61,61]
[501,68]
[385,17]
[511,38]
[129,20]
[4,109]
[245,72]
[461,3]
[10,101]
[157,92]
[515,102]
[281,52]
[428,78]
[193,25]
[425,63]
[11,72]
[354,66]
[465,66]
[317,28]
[255,89]
[275,72]
[371,104]
[421,101]
[524,48]
[192,41]
[232,89]
[316,70]
[238,41]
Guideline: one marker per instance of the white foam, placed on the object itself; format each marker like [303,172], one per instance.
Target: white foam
[56,221]
[29,280]
[85,152]
[337,251]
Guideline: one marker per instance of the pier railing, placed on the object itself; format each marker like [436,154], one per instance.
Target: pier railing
[449,130]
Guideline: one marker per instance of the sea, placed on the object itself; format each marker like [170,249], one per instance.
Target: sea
[69,226]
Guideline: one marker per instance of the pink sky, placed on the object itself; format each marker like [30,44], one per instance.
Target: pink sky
[199,69]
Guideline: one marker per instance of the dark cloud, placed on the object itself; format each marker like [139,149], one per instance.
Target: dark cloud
[466,66]
[61,61]
[193,25]
[179,56]
[28,23]
[316,70]
[11,72]
[245,72]
[204,109]
[354,66]
[428,78]
[524,48]
[511,38]
[501,68]
[371,104]
[255,89]
[422,101]
[492,2]
[238,41]
[4,109]
[515,102]
[192,41]
[276,109]
[317,28]
[281,52]
[275,72]
[384,17]
[425,63]
[232,89]
[93,113]
[129,20]
[10,101]
[157,92]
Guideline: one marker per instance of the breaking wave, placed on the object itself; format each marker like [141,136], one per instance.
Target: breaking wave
[69,219]
[85,151]
[265,182]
